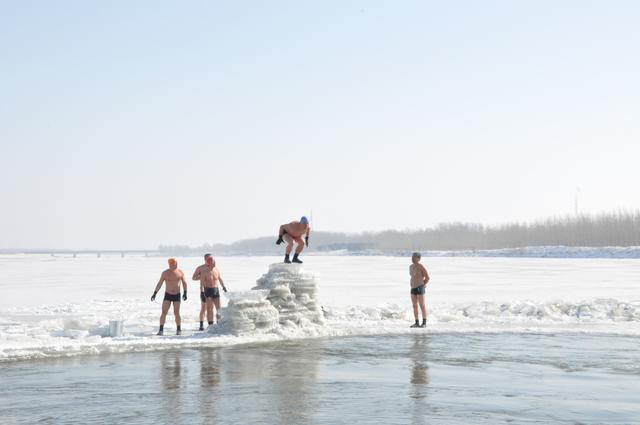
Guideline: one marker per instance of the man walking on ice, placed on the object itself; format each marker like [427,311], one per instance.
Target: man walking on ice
[172,277]
[292,233]
[210,280]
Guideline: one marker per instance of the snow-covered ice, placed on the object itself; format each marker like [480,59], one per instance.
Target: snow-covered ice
[62,306]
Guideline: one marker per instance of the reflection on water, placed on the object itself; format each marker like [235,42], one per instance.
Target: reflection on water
[420,370]
[208,364]
[283,379]
[297,383]
[405,379]
[170,370]
[209,369]
[285,375]
[171,380]
[419,379]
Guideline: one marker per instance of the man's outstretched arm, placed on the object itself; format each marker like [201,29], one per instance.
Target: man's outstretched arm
[158,286]
[281,232]
[224,288]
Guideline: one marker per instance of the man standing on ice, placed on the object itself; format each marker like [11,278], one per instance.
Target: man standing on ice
[209,277]
[172,277]
[292,233]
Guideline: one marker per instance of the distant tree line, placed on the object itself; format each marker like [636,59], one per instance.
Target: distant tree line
[621,228]
[608,229]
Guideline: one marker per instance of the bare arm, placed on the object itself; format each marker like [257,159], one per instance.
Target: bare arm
[184,283]
[160,282]
[196,274]
[158,286]
[224,288]
[425,274]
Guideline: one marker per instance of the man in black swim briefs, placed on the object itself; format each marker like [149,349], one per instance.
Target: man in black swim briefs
[172,277]
[210,280]
[419,280]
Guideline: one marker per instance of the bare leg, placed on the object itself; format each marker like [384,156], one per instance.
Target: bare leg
[216,302]
[176,312]
[203,309]
[165,310]
[423,307]
[289,240]
[209,310]
[414,302]
[163,315]
[300,246]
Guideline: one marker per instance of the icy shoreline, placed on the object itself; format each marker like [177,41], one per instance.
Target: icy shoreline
[72,333]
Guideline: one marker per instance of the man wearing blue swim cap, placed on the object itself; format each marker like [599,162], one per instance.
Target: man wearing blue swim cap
[292,233]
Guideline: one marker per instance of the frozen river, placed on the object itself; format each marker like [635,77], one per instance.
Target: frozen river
[509,340]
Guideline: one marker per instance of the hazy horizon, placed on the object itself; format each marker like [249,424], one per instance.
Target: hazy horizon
[127,126]
[598,222]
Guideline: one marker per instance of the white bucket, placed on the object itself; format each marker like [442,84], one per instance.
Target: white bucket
[115,328]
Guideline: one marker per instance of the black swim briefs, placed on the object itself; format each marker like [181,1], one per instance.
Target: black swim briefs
[418,290]
[212,292]
[172,297]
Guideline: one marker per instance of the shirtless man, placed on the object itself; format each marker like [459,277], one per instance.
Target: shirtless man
[291,233]
[209,277]
[419,279]
[172,277]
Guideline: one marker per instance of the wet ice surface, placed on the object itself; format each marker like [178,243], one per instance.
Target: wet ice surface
[418,378]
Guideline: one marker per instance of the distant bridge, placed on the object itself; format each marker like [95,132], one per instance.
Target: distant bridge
[97,252]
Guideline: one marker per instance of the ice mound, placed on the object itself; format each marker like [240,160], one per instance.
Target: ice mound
[286,296]
[248,315]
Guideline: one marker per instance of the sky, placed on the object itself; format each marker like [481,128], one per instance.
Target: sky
[127,125]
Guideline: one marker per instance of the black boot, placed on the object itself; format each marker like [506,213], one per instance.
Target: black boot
[161,331]
[415,325]
[201,326]
[424,323]
[296,259]
[286,259]
[178,330]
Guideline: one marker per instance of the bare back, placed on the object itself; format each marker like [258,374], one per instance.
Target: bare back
[419,275]
[296,229]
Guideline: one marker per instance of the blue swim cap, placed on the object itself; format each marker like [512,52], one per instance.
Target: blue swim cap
[304,220]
